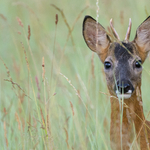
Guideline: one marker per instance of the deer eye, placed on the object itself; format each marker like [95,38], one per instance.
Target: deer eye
[138,64]
[107,65]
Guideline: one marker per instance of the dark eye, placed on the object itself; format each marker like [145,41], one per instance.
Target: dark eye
[107,65]
[138,64]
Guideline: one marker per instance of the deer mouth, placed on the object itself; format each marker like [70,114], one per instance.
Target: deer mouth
[124,95]
[124,89]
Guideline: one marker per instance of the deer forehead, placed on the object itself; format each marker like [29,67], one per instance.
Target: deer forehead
[122,52]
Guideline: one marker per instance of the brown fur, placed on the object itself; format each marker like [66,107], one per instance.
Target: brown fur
[132,116]
[123,56]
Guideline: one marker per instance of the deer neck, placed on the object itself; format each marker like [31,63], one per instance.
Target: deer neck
[124,116]
[131,108]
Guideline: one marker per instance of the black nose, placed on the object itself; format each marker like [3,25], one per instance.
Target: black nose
[124,86]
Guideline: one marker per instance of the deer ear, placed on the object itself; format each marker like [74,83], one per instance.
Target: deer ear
[96,37]
[142,38]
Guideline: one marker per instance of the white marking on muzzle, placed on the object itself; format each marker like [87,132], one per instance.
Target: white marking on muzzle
[124,96]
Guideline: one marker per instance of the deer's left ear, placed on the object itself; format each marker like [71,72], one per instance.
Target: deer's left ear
[142,39]
[96,37]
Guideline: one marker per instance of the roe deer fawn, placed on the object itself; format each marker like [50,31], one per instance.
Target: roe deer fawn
[123,68]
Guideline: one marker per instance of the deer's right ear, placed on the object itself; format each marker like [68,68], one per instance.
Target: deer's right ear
[142,39]
[96,37]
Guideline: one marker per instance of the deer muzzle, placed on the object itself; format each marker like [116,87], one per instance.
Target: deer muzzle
[124,89]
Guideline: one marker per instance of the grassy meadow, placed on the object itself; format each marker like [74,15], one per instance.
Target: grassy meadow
[53,93]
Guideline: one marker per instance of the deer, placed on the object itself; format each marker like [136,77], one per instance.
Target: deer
[122,62]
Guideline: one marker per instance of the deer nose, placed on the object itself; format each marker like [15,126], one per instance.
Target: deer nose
[124,86]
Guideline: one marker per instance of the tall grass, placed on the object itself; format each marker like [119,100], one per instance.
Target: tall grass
[52,87]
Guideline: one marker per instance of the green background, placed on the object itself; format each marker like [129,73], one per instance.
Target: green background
[67,111]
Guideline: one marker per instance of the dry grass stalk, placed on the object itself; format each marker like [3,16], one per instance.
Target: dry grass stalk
[70,84]
[50,98]
[43,68]
[37,84]
[5,134]
[79,98]
[79,15]
[70,31]
[36,144]
[50,142]
[72,108]
[66,121]
[66,132]
[8,72]
[74,25]
[65,20]
[62,13]
[56,21]
[3,17]
[21,97]
[27,64]
[29,32]
[77,93]
[13,83]
[5,112]
[43,120]
[25,56]
[18,120]
[48,125]
[32,126]
[23,124]
[144,131]
[19,21]
[30,79]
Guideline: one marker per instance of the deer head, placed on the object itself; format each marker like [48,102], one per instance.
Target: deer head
[122,59]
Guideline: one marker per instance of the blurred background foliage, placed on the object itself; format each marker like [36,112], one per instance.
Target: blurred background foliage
[51,84]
